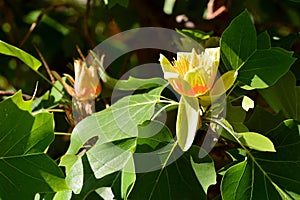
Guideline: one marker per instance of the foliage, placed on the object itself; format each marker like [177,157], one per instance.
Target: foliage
[239,139]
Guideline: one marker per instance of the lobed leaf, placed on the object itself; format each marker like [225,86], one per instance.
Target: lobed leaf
[268,175]
[24,169]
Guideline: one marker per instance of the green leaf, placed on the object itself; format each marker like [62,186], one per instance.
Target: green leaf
[264,68]
[128,178]
[238,41]
[263,121]
[119,121]
[177,180]
[10,50]
[187,122]
[263,41]
[139,84]
[205,171]
[197,35]
[256,141]
[112,3]
[50,98]
[131,84]
[266,175]
[25,169]
[283,96]
[236,115]
[247,103]
[98,166]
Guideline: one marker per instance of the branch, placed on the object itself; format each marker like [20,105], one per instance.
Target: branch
[10,93]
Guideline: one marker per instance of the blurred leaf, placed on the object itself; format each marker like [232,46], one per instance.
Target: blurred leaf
[10,50]
[112,3]
[268,175]
[264,68]
[168,6]
[238,41]
[25,169]
[197,35]
[285,42]
[31,17]
[187,121]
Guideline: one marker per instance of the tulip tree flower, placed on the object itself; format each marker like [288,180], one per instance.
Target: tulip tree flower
[85,88]
[87,84]
[194,77]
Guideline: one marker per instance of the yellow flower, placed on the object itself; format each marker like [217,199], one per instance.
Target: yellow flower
[192,74]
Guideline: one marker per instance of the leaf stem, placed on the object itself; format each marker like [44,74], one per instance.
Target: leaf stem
[62,133]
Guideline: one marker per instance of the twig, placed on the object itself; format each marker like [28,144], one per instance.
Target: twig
[9,93]
[45,64]
[39,18]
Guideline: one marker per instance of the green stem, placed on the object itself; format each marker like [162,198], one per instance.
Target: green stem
[163,108]
[62,133]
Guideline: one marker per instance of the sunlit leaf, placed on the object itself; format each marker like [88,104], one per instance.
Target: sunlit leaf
[28,59]
[256,141]
[247,103]
[238,41]
[25,169]
[264,68]
[268,175]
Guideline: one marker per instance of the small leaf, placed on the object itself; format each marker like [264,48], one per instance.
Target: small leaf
[29,60]
[256,141]
[187,121]
[247,103]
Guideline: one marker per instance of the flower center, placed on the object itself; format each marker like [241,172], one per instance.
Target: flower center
[181,66]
